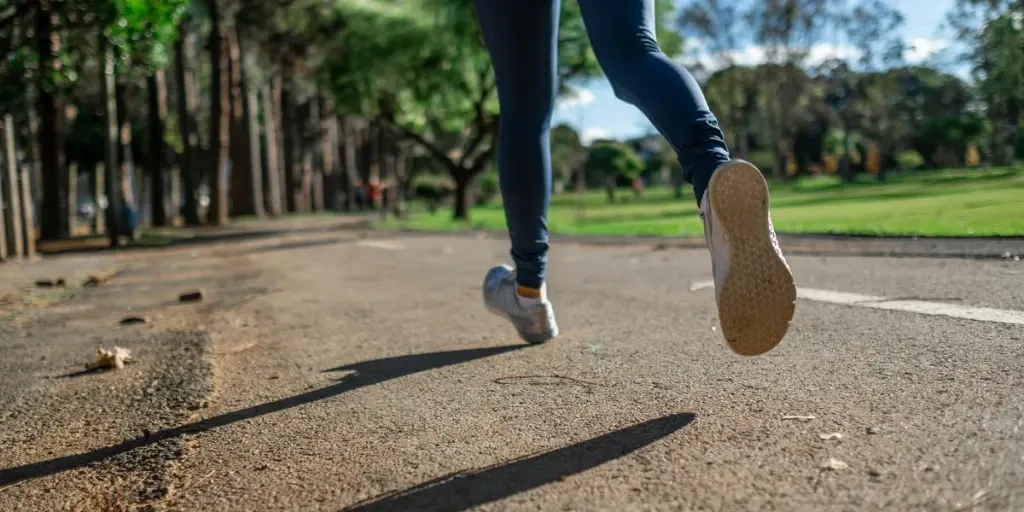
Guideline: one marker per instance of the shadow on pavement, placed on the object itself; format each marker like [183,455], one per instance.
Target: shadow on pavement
[461,491]
[367,373]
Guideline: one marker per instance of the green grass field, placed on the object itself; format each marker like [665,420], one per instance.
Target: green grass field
[930,203]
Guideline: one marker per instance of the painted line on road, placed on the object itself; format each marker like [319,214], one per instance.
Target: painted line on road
[921,307]
[381,244]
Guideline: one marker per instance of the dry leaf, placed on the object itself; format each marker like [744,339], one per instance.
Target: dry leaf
[114,358]
[829,437]
[808,417]
[834,464]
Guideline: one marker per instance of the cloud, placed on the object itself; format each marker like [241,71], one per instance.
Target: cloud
[577,97]
[698,53]
[920,48]
[593,133]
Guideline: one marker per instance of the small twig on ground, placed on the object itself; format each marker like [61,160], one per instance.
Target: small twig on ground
[15,484]
[560,379]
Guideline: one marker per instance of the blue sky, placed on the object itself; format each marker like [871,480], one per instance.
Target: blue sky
[597,113]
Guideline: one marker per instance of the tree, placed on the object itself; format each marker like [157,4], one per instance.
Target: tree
[786,29]
[993,31]
[185,83]
[612,160]
[567,154]
[220,115]
[450,111]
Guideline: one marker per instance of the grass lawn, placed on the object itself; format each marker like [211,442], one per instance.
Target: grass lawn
[977,202]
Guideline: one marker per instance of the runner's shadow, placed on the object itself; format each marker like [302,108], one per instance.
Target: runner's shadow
[366,373]
[465,490]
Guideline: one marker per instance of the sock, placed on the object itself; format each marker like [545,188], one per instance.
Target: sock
[528,296]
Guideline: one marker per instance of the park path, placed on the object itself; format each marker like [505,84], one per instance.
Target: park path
[362,373]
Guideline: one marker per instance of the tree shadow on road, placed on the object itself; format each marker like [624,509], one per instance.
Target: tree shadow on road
[464,490]
[366,373]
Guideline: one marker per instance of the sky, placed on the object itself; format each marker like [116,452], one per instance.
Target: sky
[597,113]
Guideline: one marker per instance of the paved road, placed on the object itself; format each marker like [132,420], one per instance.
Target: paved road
[353,373]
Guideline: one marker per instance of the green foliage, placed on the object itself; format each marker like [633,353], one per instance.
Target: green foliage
[909,159]
[489,187]
[567,152]
[145,30]
[613,159]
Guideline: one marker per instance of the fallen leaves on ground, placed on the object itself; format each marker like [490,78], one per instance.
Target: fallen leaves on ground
[114,358]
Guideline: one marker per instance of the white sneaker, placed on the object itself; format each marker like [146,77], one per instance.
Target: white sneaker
[753,284]
[534,319]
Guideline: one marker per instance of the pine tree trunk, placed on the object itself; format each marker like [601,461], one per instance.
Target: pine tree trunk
[157,113]
[329,155]
[349,173]
[11,194]
[112,174]
[313,183]
[255,153]
[273,175]
[243,200]
[292,165]
[220,118]
[51,141]
[186,94]
[130,200]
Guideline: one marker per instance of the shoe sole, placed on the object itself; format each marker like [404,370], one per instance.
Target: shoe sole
[758,298]
[532,339]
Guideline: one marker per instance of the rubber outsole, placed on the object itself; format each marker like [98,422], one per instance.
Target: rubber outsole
[532,339]
[758,297]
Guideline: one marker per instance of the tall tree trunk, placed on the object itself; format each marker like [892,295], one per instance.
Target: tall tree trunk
[51,139]
[779,168]
[401,169]
[130,201]
[220,117]
[98,196]
[256,166]
[72,194]
[330,155]
[157,87]
[350,172]
[34,154]
[13,241]
[292,164]
[462,181]
[312,170]
[243,198]
[112,174]
[186,92]
[273,174]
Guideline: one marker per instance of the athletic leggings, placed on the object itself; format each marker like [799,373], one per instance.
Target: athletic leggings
[522,39]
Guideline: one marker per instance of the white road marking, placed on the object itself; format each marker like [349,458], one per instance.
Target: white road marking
[381,244]
[921,307]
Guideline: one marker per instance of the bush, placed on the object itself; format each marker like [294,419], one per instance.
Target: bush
[488,187]
[909,159]
[432,189]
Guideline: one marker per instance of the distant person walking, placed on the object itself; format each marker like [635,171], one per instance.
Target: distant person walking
[753,285]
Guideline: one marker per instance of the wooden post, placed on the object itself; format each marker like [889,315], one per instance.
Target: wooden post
[98,198]
[11,194]
[28,216]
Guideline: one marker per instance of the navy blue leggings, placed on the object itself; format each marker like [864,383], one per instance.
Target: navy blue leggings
[522,39]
